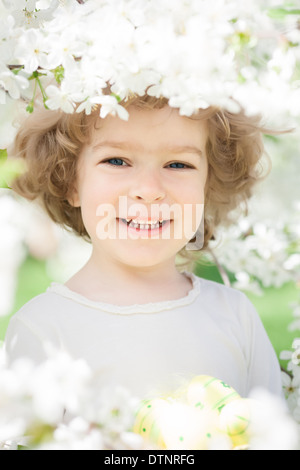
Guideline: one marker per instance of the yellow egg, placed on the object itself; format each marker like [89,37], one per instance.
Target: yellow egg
[192,422]
[187,428]
[207,392]
[234,420]
[170,425]
[147,422]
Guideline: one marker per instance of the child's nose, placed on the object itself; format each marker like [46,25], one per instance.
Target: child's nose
[147,186]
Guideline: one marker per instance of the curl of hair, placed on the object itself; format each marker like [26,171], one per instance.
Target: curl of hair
[236,163]
[51,142]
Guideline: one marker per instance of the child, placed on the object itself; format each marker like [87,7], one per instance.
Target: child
[127,186]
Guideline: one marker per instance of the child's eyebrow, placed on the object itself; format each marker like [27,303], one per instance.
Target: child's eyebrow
[172,149]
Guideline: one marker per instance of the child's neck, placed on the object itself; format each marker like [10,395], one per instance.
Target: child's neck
[122,285]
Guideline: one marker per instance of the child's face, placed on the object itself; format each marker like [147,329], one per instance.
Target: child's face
[148,168]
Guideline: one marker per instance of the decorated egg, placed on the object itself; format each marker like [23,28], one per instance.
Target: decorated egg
[168,424]
[208,412]
[207,392]
[234,420]
[147,421]
[189,428]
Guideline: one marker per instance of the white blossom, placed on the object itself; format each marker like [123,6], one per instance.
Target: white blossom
[31,50]
[271,425]
[76,435]
[43,4]
[56,395]
[107,407]
[109,105]
[12,251]
[292,356]
[291,388]
[58,98]
[12,83]
[195,54]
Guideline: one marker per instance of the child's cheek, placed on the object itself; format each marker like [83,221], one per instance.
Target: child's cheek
[192,217]
[97,207]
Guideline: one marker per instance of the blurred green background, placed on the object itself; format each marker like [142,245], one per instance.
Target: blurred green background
[272,306]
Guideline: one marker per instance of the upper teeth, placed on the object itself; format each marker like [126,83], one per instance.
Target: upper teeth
[152,222]
[145,225]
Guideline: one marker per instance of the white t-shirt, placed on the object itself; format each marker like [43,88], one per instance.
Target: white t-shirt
[156,347]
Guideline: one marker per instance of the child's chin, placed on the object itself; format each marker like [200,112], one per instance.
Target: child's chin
[144,257]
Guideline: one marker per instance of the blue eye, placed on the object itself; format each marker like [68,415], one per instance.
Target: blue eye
[115,161]
[178,165]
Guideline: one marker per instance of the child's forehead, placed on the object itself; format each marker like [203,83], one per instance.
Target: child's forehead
[164,125]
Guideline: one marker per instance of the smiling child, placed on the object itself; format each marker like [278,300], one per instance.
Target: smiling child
[136,190]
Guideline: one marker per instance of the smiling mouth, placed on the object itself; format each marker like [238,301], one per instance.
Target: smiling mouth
[144,225]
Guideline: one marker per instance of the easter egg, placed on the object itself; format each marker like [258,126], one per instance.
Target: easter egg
[184,427]
[147,421]
[207,392]
[197,419]
[170,425]
[234,420]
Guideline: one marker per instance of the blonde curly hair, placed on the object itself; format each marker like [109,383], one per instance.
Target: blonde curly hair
[51,142]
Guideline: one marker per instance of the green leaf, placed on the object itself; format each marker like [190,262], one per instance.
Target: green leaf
[59,73]
[118,98]
[17,70]
[36,75]
[30,108]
